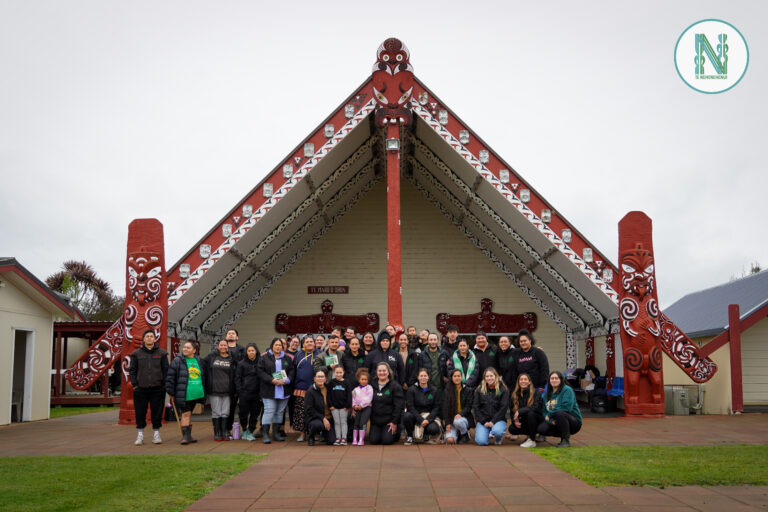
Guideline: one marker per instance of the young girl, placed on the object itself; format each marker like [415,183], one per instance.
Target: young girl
[561,412]
[340,401]
[362,396]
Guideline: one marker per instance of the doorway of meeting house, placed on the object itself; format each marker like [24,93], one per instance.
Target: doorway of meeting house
[21,374]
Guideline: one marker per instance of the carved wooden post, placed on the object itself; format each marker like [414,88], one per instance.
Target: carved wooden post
[146,300]
[639,313]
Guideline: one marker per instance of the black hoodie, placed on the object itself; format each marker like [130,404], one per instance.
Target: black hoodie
[387,403]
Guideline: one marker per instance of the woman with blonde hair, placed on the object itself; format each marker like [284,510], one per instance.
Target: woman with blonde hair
[386,406]
[525,410]
[489,408]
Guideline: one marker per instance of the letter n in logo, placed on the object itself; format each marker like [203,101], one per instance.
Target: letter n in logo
[718,61]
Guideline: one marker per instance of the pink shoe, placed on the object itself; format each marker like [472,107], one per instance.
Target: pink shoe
[354,438]
[361,438]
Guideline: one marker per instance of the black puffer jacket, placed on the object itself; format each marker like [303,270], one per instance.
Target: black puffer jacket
[178,377]
[490,406]
[247,382]
[387,403]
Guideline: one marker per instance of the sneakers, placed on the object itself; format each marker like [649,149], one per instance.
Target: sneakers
[564,443]
[139,438]
[408,441]
[338,442]
[301,438]
[156,437]
[463,439]
[343,442]
[529,443]
[498,440]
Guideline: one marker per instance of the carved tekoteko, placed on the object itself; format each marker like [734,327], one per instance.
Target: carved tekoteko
[146,299]
[393,83]
[325,321]
[487,321]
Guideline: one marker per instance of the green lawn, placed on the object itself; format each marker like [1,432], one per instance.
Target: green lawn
[663,466]
[114,483]
[60,412]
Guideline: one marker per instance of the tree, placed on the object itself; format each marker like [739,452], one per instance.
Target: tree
[91,294]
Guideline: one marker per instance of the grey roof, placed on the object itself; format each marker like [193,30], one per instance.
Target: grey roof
[705,313]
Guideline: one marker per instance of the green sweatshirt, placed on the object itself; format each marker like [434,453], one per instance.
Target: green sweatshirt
[563,400]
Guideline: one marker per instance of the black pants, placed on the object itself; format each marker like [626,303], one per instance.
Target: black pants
[361,418]
[380,434]
[231,417]
[411,419]
[529,423]
[565,425]
[316,427]
[250,410]
[154,397]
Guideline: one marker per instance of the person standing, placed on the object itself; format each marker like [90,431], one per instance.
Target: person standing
[147,372]
[489,407]
[340,402]
[408,357]
[276,372]
[220,374]
[385,354]
[505,358]
[237,352]
[304,378]
[329,359]
[184,384]
[465,361]
[247,385]
[362,396]
[451,343]
[434,360]
[485,353]
[531,360]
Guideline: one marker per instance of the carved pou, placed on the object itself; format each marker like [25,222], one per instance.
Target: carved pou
[393,83]
[146,299]
[639,313]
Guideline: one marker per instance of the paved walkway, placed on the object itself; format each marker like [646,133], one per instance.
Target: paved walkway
[298,478]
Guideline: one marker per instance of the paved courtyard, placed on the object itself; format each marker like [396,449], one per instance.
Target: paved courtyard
[295,477]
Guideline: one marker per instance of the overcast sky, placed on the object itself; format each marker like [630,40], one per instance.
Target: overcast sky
[111,111]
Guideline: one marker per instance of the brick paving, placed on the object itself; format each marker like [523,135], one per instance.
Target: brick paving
[400,478]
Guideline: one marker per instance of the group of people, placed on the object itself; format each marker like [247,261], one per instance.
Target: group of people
[344,387]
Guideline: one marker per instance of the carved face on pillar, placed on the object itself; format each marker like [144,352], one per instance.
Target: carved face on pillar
[393,83]
[145,274]
[637,278]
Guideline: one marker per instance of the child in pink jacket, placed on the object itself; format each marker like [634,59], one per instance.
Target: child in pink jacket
[362,396]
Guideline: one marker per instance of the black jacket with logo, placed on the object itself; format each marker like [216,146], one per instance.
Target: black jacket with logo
[148,368]
[418,401]
[387,403]
[490,406]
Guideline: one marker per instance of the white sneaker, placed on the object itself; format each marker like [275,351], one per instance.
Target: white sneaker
[408,441]
[156,437]
[139,438]
[529,443]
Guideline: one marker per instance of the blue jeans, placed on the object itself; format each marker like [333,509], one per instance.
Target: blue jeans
[273,410]
[482,432]
[459,427]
